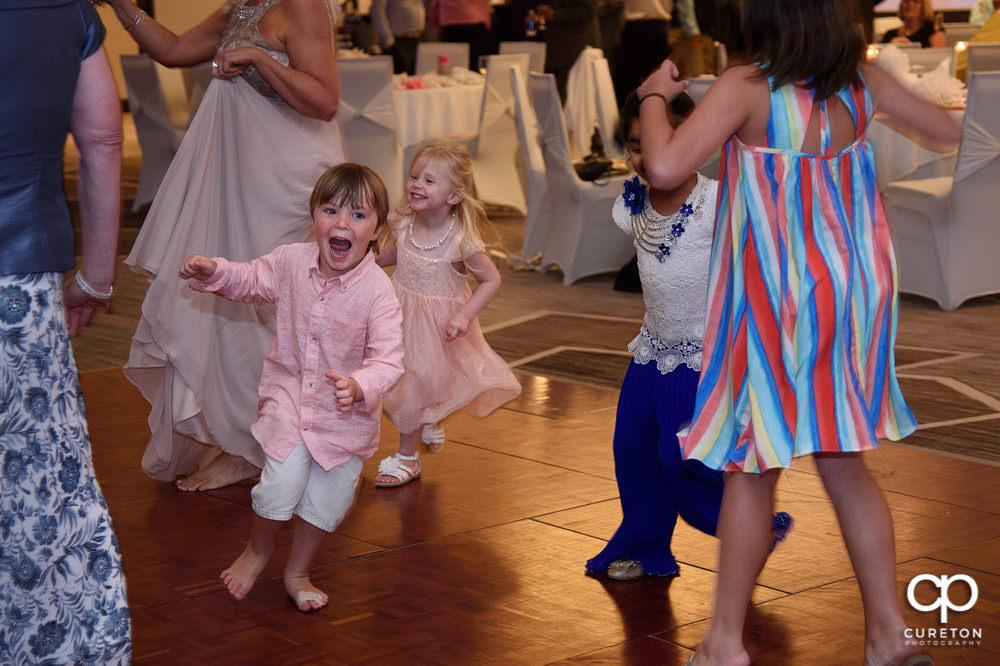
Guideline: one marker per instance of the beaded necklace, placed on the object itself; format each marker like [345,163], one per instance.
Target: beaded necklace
[427,248]
[652,235]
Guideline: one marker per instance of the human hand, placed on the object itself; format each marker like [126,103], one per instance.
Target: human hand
[456,327]
[230,64]
[79,307]
[346,390]
[899,39]
[663,81]
[199,267]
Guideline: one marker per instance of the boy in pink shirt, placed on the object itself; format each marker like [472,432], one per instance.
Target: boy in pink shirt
[337,350]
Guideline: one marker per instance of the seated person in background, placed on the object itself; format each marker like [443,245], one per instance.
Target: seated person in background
[918,25]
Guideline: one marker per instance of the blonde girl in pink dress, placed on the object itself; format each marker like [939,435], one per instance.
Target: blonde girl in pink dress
[440,235]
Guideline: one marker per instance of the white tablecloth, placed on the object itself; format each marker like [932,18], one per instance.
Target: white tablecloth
[425,112]
[898,158]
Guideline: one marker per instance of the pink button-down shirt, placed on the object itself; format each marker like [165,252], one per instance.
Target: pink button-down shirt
[351,324]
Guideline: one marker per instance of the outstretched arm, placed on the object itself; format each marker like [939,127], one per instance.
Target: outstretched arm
[96,126]
[486,273]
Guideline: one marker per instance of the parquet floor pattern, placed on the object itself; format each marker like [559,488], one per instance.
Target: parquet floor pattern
[481,560]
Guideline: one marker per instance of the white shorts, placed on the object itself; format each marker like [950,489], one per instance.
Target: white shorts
[301,486]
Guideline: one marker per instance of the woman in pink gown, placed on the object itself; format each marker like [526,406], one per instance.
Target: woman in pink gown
[238,187]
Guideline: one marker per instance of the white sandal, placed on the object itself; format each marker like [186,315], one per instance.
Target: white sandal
[392,467]
[433,437]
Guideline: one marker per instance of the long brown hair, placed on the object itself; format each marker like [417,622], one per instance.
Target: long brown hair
[817,44]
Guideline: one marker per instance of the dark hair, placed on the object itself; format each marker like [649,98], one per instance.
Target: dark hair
[355,185]
[815,43]
[679,108]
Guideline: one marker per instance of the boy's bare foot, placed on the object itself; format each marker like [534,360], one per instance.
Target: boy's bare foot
[242,574]
[217,469]
[307,597]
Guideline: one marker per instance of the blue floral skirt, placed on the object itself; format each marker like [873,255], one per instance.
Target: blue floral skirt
[62,591]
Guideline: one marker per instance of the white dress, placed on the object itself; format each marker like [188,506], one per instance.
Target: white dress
[238,187]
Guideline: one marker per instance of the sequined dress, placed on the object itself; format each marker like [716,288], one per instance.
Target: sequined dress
[798,355]
[657,395]
[238,187]
[441,376]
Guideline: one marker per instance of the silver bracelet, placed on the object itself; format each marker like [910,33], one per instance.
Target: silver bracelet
[135,24]
[90,291]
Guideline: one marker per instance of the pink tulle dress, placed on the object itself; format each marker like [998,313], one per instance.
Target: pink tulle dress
[441,376]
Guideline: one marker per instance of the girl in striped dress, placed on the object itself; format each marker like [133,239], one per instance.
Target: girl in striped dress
[798,348]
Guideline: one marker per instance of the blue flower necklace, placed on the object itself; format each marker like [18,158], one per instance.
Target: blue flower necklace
[653,236]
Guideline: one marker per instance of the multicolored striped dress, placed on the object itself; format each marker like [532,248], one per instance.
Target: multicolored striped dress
[798,352]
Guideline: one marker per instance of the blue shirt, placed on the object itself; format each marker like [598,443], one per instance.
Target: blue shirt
[42,43]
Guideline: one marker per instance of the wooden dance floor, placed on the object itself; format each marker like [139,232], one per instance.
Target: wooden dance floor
[481,560]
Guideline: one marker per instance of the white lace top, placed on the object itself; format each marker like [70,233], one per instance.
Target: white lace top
[675,289]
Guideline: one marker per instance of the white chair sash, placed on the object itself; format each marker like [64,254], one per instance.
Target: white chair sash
[979,148]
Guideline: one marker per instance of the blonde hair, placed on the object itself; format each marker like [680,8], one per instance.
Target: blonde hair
[357,186]
[469,211]
[926,10]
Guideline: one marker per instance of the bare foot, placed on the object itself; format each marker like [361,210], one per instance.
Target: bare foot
[701,657]
[217,470]
[307,597]
[242,574]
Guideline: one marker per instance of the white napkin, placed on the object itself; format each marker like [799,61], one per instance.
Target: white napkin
[937,86]
[892,59]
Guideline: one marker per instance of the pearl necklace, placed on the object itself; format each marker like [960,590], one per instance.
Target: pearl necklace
[427,248]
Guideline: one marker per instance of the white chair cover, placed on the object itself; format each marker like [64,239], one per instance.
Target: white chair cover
[428,52]
[368,120]
[581,102]
[196,80]
[159,136]
[931,58]
[607,109]
[582,239]
[883,24]
[983,58]
[944,229]
[697,87]
[535,51]
[494,155]
[959,32]
[536,185]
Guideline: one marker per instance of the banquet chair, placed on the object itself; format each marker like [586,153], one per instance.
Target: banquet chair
[536,186]
[160,126]
[535,51]
[930,58]
[196,80]
[944,229]
[959,32]
[581,239]
[428,52]
[368,119]
[983,58]
[607,109]
[581,102]
[697,87]
[493,147]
